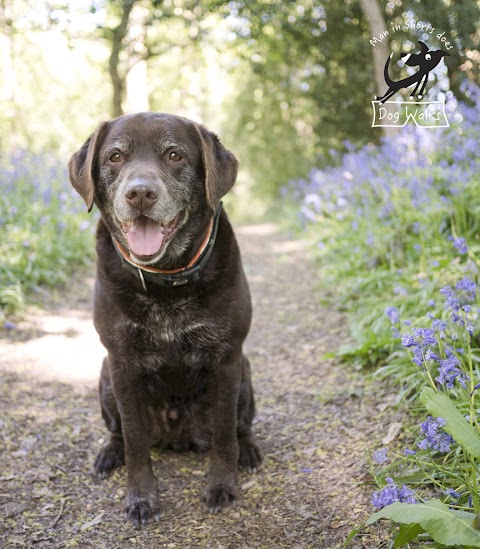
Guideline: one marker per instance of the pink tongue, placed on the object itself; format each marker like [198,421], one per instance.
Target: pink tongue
[145,236]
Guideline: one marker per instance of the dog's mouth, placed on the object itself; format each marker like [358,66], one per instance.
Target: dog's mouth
[146,237]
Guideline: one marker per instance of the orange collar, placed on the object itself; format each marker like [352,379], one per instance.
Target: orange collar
[175,277]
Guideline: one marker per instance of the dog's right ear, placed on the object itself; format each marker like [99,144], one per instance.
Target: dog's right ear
[424,47]
[81,166]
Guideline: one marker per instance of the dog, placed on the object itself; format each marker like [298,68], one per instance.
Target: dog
[171,304]
[426,60]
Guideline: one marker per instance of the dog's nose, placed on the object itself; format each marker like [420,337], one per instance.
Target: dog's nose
[141,195]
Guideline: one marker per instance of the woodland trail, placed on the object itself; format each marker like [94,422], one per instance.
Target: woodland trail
[315,420]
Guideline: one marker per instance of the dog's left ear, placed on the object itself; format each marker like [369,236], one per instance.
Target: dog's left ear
[219,164]
[82,164]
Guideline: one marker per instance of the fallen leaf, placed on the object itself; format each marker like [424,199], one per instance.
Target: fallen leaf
[393,431]
[93,522]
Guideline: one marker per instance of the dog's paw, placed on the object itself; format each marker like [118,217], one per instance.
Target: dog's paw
[110,457]
[250,457]
[141,510]
[217,497]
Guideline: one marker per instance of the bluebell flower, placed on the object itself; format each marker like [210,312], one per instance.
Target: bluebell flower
[468,286]
[431,303]
[391,493]
[451,300]
[439,325]
[418,357]
[457,319]
[407,495]
[380,456]
[409,341]
[461,245]
[430,355]
[427,335]
[449,370]
[451,492]
[392,313]
[408,452]
[435,437]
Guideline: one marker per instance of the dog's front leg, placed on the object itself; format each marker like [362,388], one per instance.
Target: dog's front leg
[422,89]
[141,503]
[224,386]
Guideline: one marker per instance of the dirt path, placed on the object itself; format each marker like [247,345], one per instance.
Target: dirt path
[315,420]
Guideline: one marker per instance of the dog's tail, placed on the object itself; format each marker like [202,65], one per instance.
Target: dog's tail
[388,80]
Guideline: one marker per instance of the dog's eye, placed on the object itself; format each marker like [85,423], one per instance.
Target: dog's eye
[428,57]
[115,157]
[174,156]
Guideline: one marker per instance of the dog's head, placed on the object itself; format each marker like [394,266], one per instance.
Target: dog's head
[427,59]
[156,179]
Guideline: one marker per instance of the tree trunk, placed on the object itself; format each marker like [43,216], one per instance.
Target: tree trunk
[137,88]
[118,79]
[381,50]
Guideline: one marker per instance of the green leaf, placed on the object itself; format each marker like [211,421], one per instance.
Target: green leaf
[444,525]
[457,426]
[414,478]
[352,534]
[406,534]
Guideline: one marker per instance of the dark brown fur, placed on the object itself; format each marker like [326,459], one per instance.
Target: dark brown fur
[175,374]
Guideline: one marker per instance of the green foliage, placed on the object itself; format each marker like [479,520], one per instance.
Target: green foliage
[393,226]
[441,406]
[45,234]
[449,527]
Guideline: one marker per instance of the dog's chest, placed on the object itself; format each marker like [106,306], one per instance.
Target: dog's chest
[180,335]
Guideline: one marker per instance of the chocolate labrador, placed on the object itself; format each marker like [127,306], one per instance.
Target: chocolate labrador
[171,304]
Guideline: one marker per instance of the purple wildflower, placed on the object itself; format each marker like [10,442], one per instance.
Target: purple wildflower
[451,492]
[427,335]
[408,452]
[439,325]
[409,341]
[391,493]
[392,313]
[430,355]
[461,245]
[451,300]
[448,371]
[435,437]
[468,286]
[406,495]
[418,357]
[380,456]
